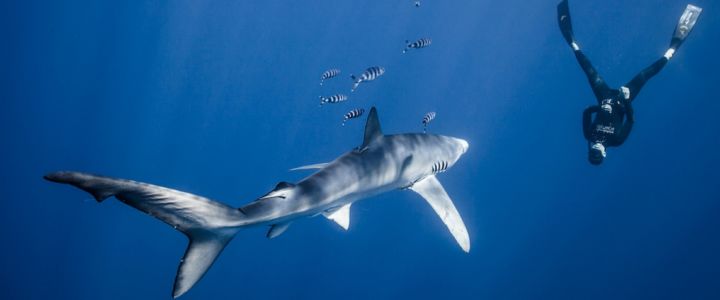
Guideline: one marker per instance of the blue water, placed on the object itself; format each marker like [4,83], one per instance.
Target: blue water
[219,98]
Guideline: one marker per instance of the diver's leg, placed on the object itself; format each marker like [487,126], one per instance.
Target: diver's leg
[597,83]
[682,30]
[632,88]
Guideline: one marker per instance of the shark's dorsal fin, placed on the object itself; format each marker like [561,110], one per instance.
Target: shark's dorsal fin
[341,215]
[277,229]
[434,193]
[310,167]
[372,128]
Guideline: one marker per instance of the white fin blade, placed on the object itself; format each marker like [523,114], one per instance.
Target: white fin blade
[434,193]
[341,216]
[311,167]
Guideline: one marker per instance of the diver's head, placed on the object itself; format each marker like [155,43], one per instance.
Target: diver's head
[596,153]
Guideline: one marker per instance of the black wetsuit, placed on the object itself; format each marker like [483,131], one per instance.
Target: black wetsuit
[612,128]
[608,128]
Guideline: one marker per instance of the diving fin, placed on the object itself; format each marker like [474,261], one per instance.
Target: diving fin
[565,22]
[687,22]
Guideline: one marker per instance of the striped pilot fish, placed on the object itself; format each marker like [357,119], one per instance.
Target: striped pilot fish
[329,74]
[370,74]
[333,99]
[355,113]
[427,119]
[421,43]
[439,167]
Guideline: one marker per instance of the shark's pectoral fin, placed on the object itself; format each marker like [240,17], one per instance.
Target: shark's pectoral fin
[372,129]
[340,215]
[434,193]
[310,167]
[277,229]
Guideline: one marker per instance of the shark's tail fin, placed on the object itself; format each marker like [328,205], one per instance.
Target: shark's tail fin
[209,225]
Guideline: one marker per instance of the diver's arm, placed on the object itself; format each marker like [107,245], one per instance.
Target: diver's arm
[633,87]
[624,132]
[629,111]
[597,83]
[587,120]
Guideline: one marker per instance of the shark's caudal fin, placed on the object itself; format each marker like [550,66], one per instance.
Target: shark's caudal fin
[209,225]
[434,193]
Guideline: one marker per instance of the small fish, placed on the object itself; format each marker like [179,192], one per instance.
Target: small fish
[427,119]
[440,167]
[421,43]
[329,74]
[333,99]
[370,74]
[355,113]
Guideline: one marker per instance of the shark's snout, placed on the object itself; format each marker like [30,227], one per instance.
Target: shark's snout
[464,145]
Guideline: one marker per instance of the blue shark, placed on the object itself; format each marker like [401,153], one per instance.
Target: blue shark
[380,164]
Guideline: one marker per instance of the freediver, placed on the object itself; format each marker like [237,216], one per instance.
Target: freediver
[614,115]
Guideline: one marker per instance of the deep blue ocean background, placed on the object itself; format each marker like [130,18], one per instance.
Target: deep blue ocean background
[220,99]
